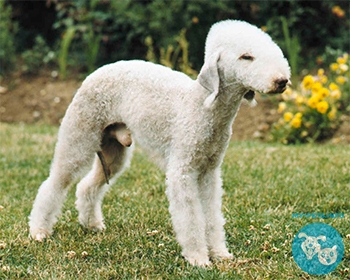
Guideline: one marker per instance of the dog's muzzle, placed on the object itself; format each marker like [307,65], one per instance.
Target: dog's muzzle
[280,86]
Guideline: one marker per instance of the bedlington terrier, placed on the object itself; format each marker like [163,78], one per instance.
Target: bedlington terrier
[184,124]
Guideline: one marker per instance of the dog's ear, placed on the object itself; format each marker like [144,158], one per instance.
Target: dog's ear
[209,78]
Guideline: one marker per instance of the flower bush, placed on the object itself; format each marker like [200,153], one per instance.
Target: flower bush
[312,112]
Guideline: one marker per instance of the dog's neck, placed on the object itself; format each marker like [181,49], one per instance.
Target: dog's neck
[230,95]
[228,102]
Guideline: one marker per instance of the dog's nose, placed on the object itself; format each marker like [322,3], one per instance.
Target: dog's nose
[281,83]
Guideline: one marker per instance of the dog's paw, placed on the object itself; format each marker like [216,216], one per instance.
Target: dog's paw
[39,234]
[96,227]
[198,260]
[223,255]
[92,222]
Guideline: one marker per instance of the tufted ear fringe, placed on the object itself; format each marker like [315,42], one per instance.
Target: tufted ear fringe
[209,78]
[210,100]
[252,103]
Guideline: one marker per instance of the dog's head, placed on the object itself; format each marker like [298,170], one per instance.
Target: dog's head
[241,54]
[310,245]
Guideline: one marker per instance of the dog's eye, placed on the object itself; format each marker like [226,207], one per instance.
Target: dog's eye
[246,57]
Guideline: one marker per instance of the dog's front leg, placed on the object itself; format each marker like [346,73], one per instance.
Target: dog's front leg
[210,192]
[187,214]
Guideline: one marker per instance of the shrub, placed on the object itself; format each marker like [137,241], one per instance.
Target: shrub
[37,57]
[317,24]
[107,31]
[312,112]
[175,58]
[8,29]
[63,54]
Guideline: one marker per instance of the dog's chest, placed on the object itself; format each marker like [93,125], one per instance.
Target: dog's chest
[218,141]
[210,150]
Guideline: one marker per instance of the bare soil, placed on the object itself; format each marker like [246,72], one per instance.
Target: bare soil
[44,100]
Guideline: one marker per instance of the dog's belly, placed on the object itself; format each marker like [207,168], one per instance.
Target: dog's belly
[150,128]
[154,143]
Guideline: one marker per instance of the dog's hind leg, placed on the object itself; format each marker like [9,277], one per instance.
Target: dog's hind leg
[92,188]
[73,153]
[79,139]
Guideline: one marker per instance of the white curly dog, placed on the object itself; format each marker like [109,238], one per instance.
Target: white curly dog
[184,124]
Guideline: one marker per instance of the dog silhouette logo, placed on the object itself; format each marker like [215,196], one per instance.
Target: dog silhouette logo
[311,246]
[318,248]
[328,256]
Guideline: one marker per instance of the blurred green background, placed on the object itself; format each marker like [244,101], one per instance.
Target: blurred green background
[90,33]
[65,40]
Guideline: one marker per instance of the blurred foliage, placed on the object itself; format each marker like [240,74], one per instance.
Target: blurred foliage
[35,58]
[8,29]
[175,58]
[293,49]
[110,30]
[63,54]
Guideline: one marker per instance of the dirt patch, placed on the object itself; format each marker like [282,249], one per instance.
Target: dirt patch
[44,100]
[39,99]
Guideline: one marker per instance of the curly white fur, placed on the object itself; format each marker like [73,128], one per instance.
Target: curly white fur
[184,124]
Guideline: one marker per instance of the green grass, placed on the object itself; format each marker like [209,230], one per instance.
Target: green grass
[264,184]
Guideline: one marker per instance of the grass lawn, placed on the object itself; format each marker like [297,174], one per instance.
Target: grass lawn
[264,185]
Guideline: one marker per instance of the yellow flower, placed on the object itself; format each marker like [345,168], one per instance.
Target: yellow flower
[304,133]
[341,60]
[322,107]
[316,87]
[299,100]
[287,116]
[308,124]
[281,107]
[308,81]
[340,80]
[336,94]
[298,115]
[320,72]
[334,66]
[323,92]
[332,114]
[324,79]
[296,122]
[339,12]
[343,68]
[287,94]
[321,76]
[288,91]
[333,86]
[312,102]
